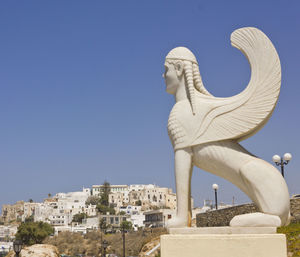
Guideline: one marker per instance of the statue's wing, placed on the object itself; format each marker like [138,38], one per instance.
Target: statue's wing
[242,115]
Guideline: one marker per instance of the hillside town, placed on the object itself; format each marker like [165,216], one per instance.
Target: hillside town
[142,205]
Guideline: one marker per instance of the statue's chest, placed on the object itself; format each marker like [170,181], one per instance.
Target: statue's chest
[176,130]
[183,125]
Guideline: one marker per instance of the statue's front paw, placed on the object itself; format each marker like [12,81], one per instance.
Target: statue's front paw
[176,222]
[256,219]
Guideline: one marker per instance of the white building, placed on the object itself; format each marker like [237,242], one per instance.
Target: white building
[137,221]
[158,218]
[114,220]
[73,203]
[87,225]
[43,211]
[118,199]
[59,220]
[91,223]
[146,196]
[97,189]
[7,232]
[6,247]
[59,210]
[29,210]
[130,209]
[152,195]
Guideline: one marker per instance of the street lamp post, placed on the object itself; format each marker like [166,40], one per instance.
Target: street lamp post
[17,245]
[279,161]
[123,237]
[216,187]
[105,245]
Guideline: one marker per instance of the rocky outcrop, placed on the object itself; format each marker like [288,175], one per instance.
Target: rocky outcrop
[38,250]
[149,246]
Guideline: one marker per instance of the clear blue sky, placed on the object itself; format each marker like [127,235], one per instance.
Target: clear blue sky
[82,98]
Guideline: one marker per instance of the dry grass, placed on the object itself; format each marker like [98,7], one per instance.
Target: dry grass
[74,243]
[90,244]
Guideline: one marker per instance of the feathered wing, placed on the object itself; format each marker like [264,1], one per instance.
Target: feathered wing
[242,115]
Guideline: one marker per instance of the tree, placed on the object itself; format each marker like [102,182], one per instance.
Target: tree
[103,205]
[49,195]
[33,232]
[105,190]
[79,217]
[102,224]
[126,225]
[30,200]
[104,209]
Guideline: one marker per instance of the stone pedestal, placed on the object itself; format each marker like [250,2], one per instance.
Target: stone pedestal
[243,243]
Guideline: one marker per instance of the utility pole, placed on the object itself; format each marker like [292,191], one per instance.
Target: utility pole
[123,237]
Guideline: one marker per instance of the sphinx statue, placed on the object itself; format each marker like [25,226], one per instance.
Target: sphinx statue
[205,130]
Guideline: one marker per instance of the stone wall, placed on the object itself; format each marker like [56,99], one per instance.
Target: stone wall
[222,217]
[295,209]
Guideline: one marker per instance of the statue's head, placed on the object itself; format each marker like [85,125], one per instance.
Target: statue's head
[180,64]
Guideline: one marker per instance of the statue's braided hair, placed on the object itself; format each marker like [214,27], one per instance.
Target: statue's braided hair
[198,81]
[188,72]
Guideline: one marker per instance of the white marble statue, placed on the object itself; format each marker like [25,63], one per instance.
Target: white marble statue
[205,130]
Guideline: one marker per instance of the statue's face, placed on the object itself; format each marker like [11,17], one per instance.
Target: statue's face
[171,78]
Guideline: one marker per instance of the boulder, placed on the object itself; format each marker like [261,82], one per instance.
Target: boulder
[40,250]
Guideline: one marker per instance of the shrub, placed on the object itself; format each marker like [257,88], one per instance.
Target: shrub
[34,232]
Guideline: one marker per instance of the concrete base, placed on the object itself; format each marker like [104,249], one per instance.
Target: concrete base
[223,245]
